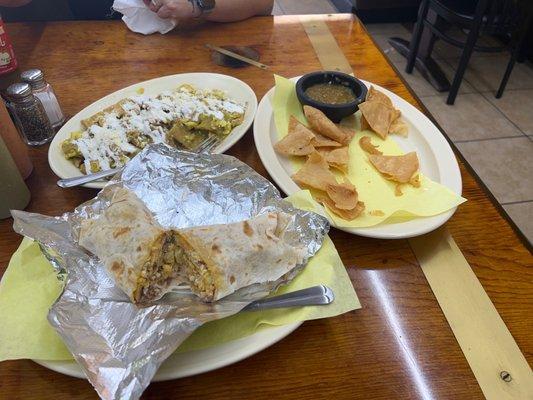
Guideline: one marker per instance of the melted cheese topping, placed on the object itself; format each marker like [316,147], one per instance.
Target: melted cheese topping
[146,119]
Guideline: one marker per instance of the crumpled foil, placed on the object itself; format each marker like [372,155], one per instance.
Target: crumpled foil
[119,345]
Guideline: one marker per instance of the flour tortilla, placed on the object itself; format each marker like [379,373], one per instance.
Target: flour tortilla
[130,243]
[224,258]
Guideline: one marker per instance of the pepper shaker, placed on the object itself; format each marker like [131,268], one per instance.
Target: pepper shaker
[45,93]
[29,115]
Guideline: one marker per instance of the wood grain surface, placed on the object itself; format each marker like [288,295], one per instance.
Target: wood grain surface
[399,345]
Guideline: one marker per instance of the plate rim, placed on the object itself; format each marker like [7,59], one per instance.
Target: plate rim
[267,337]
[270,160]
[224,146]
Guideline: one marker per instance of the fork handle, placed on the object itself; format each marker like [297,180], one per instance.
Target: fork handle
[80,180]
[311,296]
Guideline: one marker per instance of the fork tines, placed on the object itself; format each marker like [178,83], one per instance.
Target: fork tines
[209,144]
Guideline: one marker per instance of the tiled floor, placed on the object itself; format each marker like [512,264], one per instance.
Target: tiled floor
[494,135]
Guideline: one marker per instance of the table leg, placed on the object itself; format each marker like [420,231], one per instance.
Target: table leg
[424,64]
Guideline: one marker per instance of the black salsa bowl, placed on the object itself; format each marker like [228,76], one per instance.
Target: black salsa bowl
[334,112]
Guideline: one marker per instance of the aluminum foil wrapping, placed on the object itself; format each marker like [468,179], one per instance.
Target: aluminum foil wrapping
[119,345]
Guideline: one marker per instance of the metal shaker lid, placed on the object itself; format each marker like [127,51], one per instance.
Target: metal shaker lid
[18,91]
[34,77]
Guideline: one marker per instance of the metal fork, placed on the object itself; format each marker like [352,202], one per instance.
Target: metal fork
[205,147]
[82,179]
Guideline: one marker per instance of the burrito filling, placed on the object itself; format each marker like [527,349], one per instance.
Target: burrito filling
[158,272]
[197,273]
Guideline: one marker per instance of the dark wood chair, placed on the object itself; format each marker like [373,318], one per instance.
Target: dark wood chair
[505,18]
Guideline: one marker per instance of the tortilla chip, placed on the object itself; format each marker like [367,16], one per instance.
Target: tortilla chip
[380,102]
[321,141]
[398,190]
[396,168]
[365,126]
[378,116]
[395,115]
[315,173]
[376,95]
[348,215]
[337,157]
[323,125]
[366,144]
[297,142]
[399,127]
[349,132]
[344,195]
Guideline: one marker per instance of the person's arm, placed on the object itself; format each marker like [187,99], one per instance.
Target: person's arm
[236,10]
[225,10]
[14,3]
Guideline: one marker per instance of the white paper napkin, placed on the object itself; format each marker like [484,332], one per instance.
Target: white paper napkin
[139,18]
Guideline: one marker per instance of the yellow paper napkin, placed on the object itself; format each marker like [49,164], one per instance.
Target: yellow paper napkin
[27,290]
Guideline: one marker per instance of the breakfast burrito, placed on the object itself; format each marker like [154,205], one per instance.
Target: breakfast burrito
[219,259]
[146,261]
[136,251]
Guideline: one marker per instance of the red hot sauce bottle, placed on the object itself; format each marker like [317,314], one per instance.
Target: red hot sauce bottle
[8,61]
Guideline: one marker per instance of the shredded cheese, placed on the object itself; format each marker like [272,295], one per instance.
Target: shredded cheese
[148,118]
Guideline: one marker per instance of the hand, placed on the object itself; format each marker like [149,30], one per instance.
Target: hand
[180,10]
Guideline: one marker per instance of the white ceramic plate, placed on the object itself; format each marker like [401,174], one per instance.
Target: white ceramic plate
[437,162]
[235,89]
[180,365]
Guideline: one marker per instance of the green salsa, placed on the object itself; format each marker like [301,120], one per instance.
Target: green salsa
[330,93]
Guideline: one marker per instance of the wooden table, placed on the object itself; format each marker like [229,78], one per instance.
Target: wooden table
[399,345]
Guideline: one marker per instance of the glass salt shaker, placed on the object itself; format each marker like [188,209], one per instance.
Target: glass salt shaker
[29,115]
[44,92]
